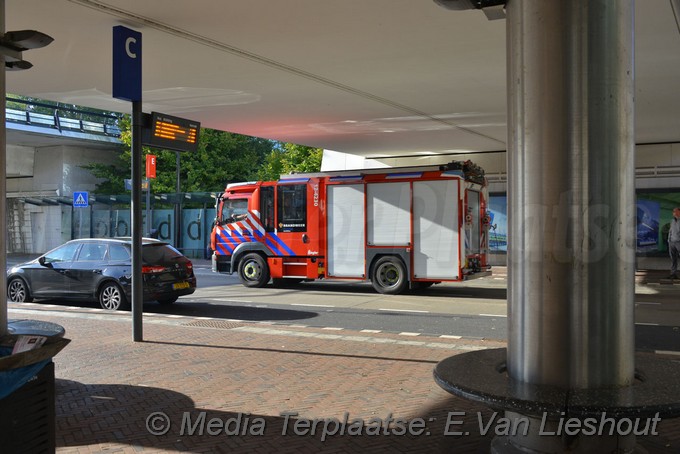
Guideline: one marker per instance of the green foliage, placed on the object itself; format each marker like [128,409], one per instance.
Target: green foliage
[299,159]
[290,158]
[113,175]
[221,158]
[272,167]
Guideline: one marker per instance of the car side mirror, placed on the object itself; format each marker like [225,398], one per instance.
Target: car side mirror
[43,262]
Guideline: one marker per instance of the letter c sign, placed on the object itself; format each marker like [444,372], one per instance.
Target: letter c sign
[128,49]
[127,64]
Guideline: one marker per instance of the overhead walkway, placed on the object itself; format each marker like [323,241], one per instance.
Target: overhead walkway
[72,123]
[36,213]
[65,122]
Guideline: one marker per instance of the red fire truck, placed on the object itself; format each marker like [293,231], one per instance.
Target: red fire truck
[399,228]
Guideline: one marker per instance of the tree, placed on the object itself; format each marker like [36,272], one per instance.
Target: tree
[221,158]
[272,167]
[113,176]
[290,158]
[230,158]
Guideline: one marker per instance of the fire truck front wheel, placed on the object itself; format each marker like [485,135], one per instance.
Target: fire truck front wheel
[253,271]
[389,275]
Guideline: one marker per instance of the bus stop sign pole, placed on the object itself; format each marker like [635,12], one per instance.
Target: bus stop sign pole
[127,85]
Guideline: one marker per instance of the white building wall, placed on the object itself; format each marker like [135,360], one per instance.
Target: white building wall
[19,160]
[19,168]
[75,177]
[48,169]
[657,165]
[335,160]
[46,172]
[60,167]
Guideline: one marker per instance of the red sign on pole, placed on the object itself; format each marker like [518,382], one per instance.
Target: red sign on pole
[150,166]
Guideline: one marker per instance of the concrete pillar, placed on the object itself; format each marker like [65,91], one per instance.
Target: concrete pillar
[571,192]
[571,243]
[3,186]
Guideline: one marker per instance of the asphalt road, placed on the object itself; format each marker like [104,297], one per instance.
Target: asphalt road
[474,309]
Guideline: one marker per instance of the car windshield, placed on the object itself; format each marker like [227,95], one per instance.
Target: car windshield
[159,253]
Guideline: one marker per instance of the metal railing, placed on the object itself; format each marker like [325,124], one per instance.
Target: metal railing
[61,118]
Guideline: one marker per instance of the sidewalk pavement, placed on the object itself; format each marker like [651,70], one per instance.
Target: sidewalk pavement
[246,387]
[241,387]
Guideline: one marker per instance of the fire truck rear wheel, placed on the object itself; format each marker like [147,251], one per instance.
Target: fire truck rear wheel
[253,271]
[389,275]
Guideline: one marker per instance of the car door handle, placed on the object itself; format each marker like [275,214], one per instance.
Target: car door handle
[97,271]
[63,271]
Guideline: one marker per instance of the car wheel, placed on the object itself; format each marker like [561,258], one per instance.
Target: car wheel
[253,271]
[17,291]
[167,301]
[389,275]
[111,297]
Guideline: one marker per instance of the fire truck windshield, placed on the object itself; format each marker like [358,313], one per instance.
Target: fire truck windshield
[234,210]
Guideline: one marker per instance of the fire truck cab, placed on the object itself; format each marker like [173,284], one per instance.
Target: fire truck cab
[399,228]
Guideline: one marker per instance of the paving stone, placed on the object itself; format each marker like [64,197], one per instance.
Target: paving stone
[268,390]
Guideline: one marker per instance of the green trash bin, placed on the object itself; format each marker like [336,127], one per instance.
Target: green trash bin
[27,398]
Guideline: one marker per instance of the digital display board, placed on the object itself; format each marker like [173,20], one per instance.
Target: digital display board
[171,133]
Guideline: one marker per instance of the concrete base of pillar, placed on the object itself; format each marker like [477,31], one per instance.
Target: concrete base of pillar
[547,436]
[548,420]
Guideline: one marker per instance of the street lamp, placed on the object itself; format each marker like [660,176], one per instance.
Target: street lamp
[493,9]
[12,45]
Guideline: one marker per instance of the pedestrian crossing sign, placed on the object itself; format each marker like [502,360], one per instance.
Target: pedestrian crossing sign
[80,199]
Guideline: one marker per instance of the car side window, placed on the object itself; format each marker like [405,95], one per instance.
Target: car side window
[118,252]
[92,252]
[159,253]
[63,253]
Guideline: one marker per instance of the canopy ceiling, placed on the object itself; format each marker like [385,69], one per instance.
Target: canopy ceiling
[372,78]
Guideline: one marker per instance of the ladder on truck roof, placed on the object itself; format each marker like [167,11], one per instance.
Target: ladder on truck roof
[470,171]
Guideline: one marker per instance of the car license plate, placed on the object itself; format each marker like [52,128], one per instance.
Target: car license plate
[180,285]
